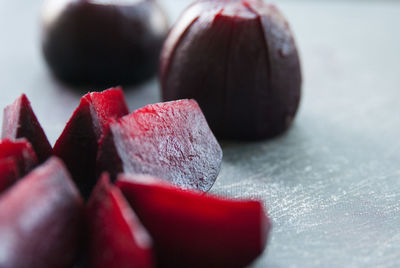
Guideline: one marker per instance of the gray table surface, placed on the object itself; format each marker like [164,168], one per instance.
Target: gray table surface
[332,183]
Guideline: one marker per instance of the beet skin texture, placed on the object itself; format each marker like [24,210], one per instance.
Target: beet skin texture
[239,61]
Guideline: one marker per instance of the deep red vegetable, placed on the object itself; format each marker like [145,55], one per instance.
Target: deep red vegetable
[191,229]
[117,238]
[19,121]
[169,140]
[77,146]
[41,219]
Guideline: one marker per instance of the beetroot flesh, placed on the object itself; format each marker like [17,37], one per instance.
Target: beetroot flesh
[169,140]
[21,151]
[194,230]
[40,219]
[77,146]
[8,173]
[239,60]
[19,121]
[117,238]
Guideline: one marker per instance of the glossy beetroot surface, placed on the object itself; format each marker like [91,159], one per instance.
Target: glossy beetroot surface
[169,140]
[238,59]
[77,145]
[103,42]
[195,230]
[8,172]
[19,121]
[21,152]
[40,219]
[117,238]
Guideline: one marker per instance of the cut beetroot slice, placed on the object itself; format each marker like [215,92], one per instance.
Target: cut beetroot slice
[117,238]
[21,151]
[170,140]
[194,230]
[8,173]
[77,145]
[19,121]
[40,219]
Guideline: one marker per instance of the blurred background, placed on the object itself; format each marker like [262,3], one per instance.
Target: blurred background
[331,184]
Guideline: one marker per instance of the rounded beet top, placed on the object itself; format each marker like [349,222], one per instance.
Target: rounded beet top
[103,42]
[238,59]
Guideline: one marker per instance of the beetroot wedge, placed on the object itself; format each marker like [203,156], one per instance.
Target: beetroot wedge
[19,121]
[21,151]
[170,140]
[77,145]
[40,219]
[194,230]
[8,173]
[117,238]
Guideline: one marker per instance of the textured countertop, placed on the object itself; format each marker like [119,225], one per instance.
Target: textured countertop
[332,183]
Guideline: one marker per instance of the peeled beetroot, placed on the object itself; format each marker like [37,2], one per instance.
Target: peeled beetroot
[8,172]
[117,238]
[238,59]
[169,140]
[190,229]
[19,121]
[103,42]
[77,145]
[21,151]
[40,219]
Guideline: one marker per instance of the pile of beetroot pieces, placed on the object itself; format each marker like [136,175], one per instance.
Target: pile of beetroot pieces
[120,190]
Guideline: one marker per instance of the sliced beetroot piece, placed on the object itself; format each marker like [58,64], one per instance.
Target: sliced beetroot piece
[117,238]
[194,230]
[77,145]
[21,151]
[169,140]
[19,121]
[40,219]
[8,173]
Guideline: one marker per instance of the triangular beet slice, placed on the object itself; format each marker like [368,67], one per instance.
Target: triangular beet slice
[21,151]
[40,219]
[190,229]
[170,140]
[77,145]
[19,121]
[8,172]
[117,238]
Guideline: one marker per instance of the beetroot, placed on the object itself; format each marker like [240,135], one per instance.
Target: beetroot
[19,121]
[238,59]
[117,238]
[103,42]
[21,151]
[169,140]
[8,172]
[77,145]
[40,219]
[195,230]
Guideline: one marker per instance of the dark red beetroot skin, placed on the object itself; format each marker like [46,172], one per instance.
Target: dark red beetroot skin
[103,42]
[77,145]
[40,219]
[117,238]
[238,59]
[194,230]
[19,121]
[169,140]
[21,151]
[8,172]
